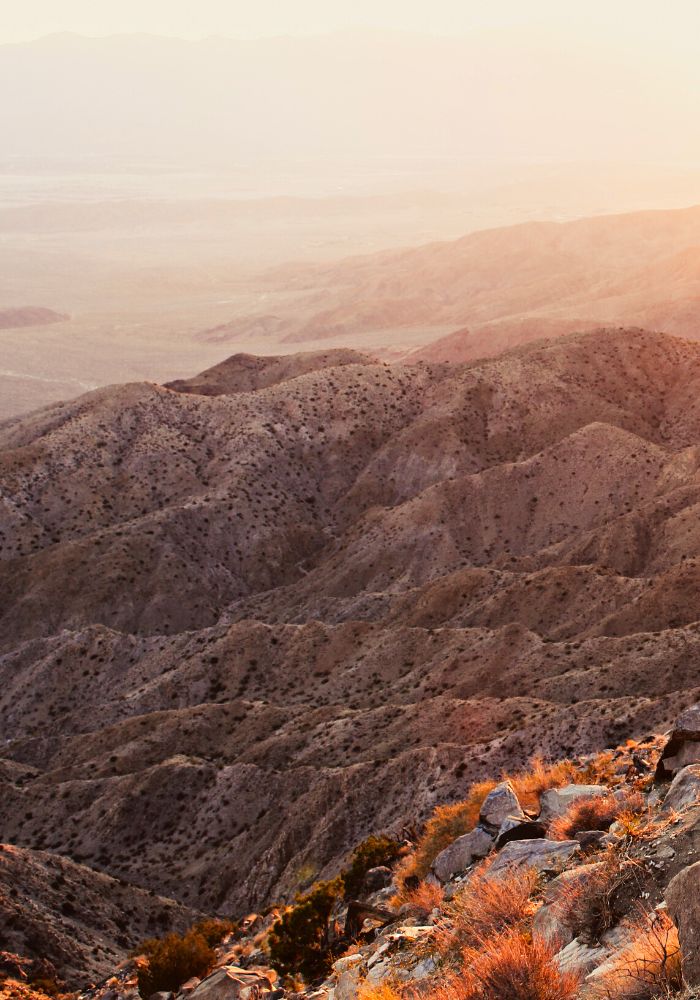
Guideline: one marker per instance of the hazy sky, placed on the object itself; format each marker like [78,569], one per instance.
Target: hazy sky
[675,23]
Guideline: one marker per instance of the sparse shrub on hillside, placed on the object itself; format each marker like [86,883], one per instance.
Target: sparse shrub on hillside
[648,968]
[172,960]
[511,966]
[300,941]
[596,813]
[371,853]
[484,908]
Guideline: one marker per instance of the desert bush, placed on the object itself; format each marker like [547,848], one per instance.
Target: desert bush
[425,897]
[172,960]
[592,905]
[649,967]
[379,991]
[486,907]
[596,813]
[372,852]
[510,966]
[300,941]
[214,930]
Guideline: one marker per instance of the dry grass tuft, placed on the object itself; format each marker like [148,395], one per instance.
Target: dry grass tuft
[486,907]
[510,966]
[379,991]
[425,897]
[596,813]
[648,968]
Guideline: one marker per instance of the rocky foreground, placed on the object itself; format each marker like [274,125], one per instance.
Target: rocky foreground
[573,881]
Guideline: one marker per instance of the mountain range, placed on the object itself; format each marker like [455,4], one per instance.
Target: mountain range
[253,617]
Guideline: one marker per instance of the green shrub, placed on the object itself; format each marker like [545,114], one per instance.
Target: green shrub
[172,960]
[300,941]
[371,853]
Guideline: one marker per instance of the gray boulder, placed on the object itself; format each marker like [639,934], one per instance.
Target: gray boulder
[550,921]
[462,853]
[556,801]
[684,790]
[683,745]
[542,855]
[499,804]
[683,902]
[231,983]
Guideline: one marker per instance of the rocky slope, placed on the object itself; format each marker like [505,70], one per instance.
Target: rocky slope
[242,631]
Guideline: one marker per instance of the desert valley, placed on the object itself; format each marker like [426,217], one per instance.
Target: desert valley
[349,506]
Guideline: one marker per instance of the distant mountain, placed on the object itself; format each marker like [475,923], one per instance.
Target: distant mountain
[499,288]
[242,631]
[28,316]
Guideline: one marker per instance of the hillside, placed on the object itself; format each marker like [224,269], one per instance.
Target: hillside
[500,288]
[11,319]
[242,631]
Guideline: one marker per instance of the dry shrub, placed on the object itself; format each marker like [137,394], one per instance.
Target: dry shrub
[445,825]
[648,967]
[486,907]
[596,813]
[592,905]
[510,966]
[378,991]
[539,777]
[172,960]
[451,821]
[425,897]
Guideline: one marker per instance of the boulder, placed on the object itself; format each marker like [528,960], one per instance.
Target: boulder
[462,853]
[683,745]
[542,855]
[683,902]
[579,958]
[231,983]
[549,923]
[350,971]
[556,801]
[500,803]
[377,878]
[684,790]
[513,828]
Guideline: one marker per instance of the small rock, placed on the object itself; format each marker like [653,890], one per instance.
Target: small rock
[578,958]
[519,829]
[377,878]
[589,839]
[556,801]
[462,853]
[500,803]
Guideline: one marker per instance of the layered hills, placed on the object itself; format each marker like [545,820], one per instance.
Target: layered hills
[251,618]
[496,289]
